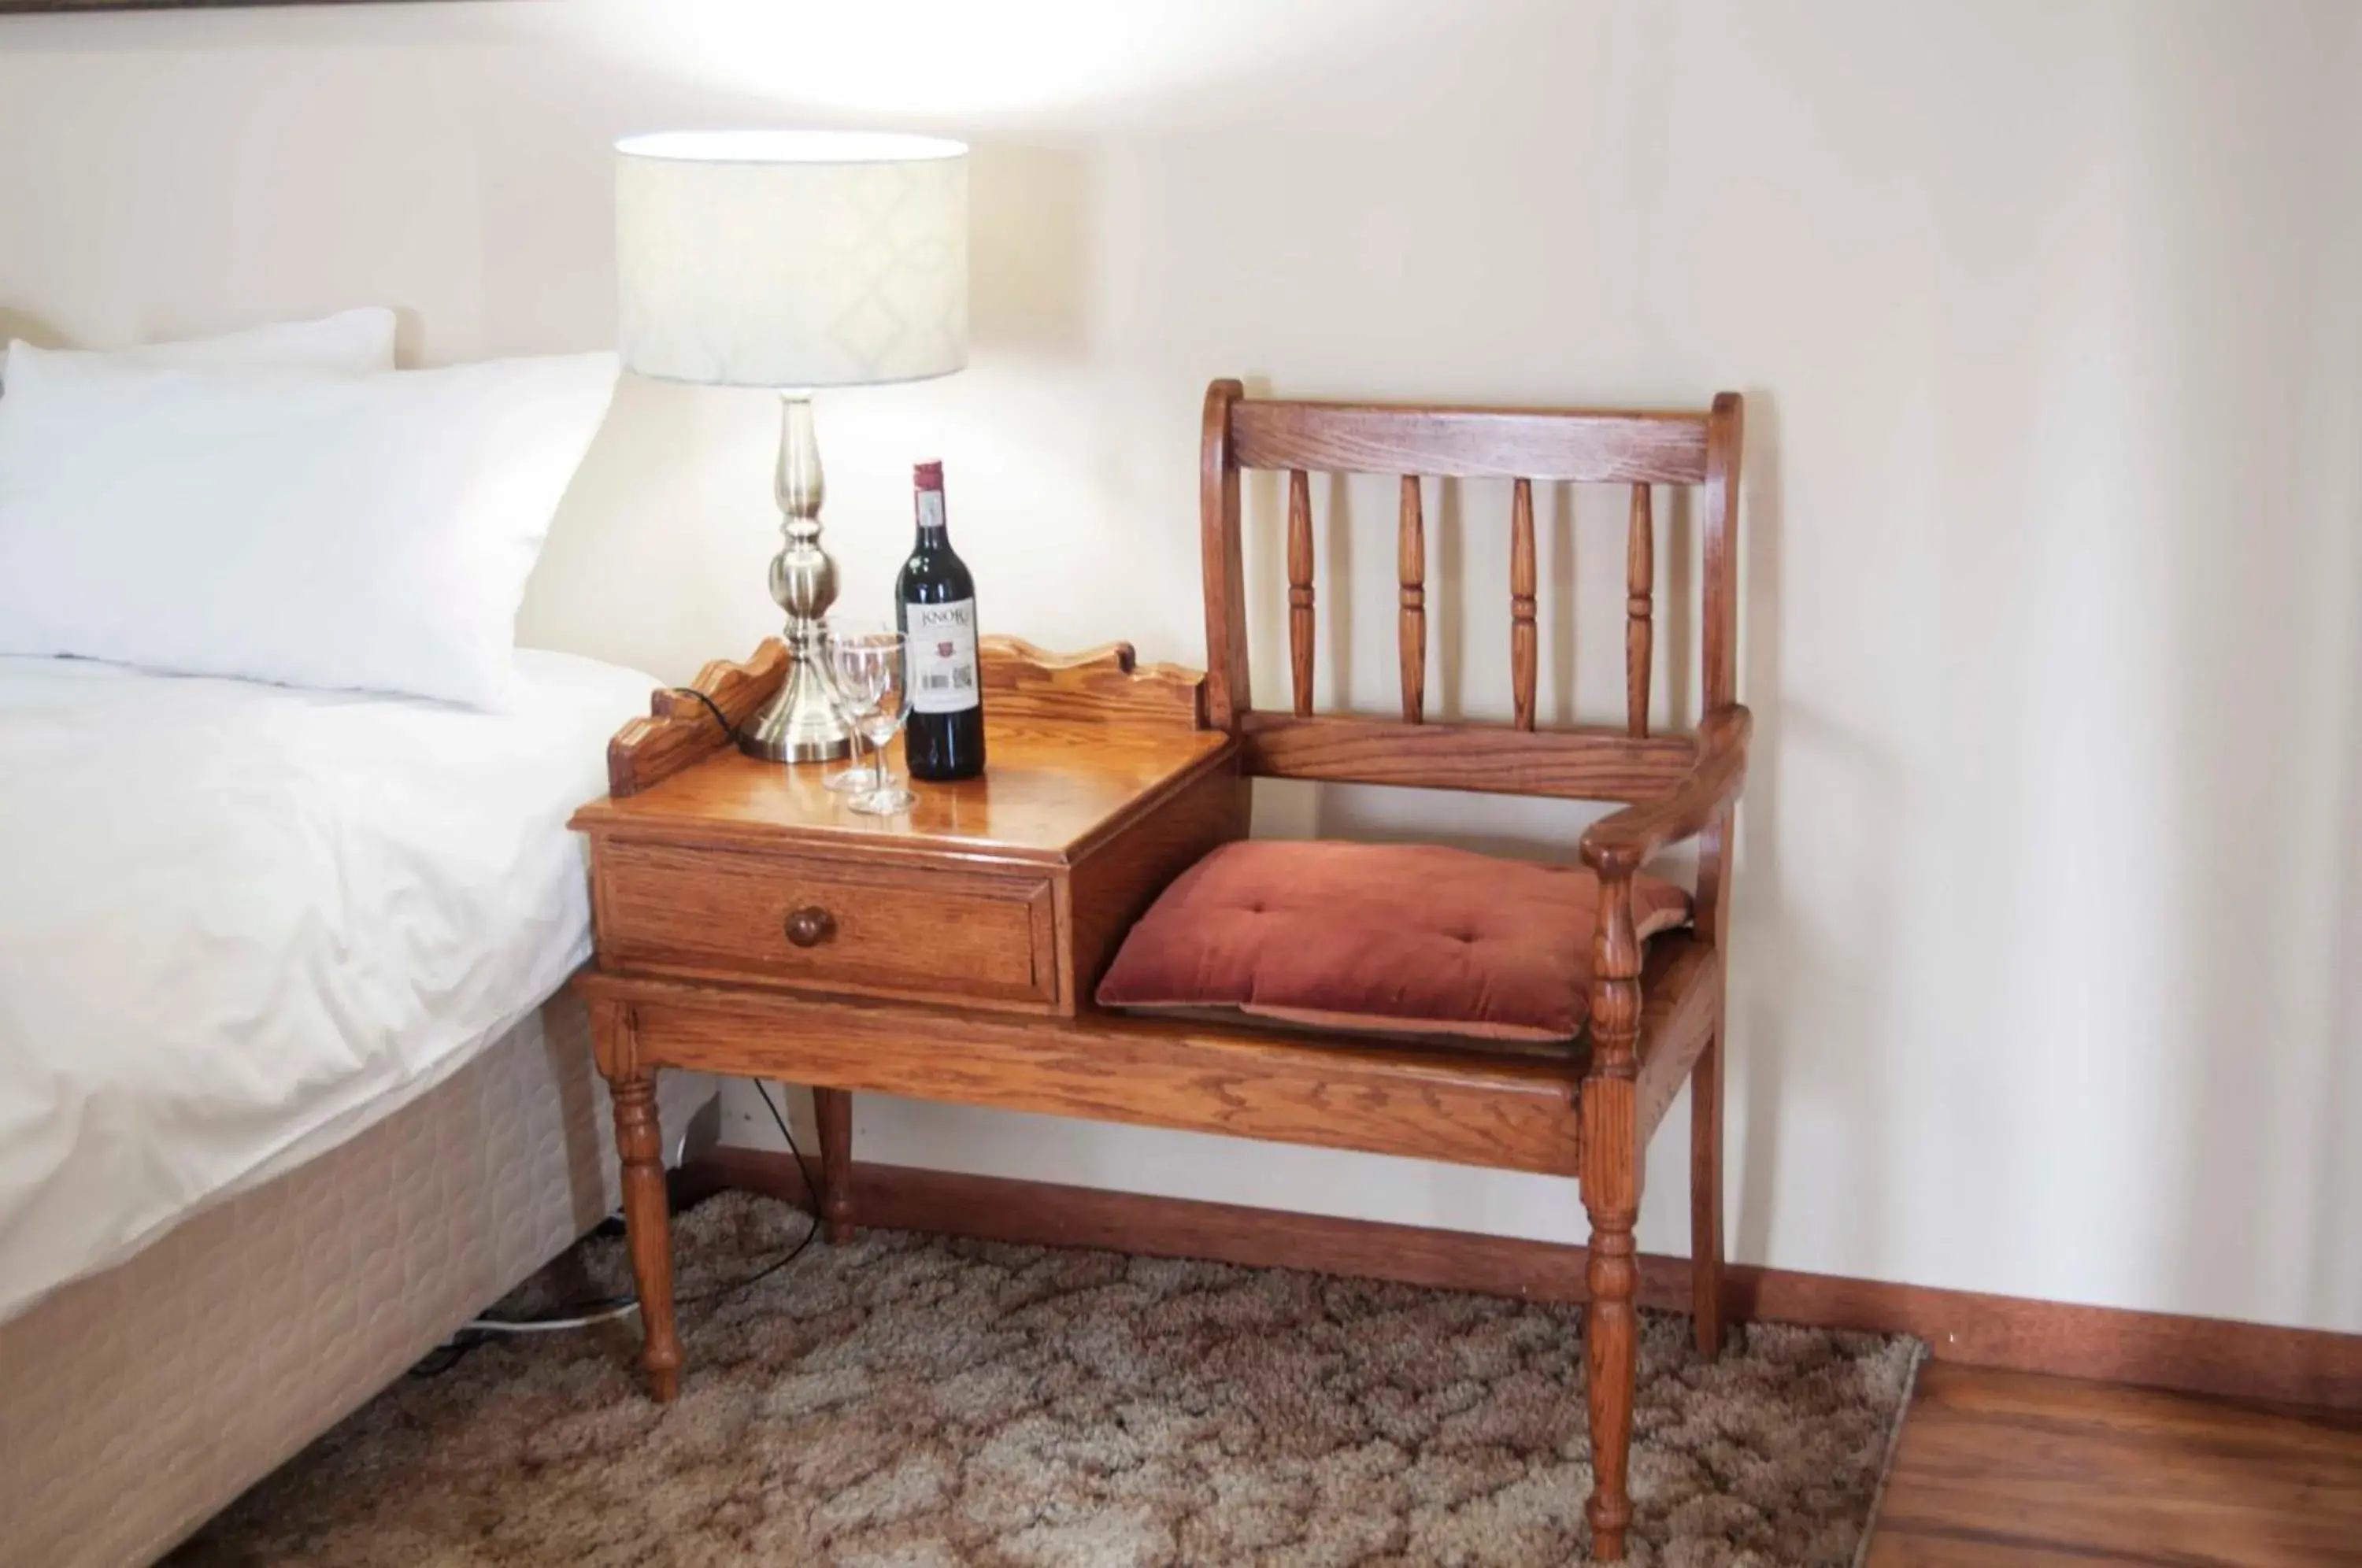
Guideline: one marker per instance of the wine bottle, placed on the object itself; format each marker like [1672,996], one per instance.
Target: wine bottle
[934,605]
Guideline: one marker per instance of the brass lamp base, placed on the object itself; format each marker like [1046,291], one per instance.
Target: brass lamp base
[800,724]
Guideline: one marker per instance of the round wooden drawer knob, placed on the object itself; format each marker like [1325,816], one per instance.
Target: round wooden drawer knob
[810,926]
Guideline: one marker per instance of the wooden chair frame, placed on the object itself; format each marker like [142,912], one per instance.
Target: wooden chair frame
[1654,1019]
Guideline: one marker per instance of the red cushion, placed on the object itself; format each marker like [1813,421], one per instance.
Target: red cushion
[1412,939]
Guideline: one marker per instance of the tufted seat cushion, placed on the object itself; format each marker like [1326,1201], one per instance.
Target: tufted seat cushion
[1408,939]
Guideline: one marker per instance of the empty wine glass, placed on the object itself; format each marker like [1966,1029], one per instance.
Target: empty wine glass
[856,773]
[872,681]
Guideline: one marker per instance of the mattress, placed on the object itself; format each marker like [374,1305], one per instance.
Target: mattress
[240,922]
[139,1401]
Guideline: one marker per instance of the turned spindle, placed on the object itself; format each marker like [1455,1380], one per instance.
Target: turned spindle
[1299,588]
[1639,585]
[1522,655]
[1411,623]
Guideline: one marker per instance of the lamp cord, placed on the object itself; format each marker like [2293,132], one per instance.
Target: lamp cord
[711,707]
[583,1315]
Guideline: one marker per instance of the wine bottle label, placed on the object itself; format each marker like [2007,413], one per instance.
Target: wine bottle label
[943,678]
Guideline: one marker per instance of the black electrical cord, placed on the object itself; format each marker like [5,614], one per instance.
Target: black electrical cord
[811,1191]
[582,1314]
[446,1356]
[711,707]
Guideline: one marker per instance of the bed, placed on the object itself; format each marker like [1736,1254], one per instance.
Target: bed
[289,1084]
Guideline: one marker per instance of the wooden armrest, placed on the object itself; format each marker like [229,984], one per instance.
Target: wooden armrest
[1615,848]
[1617,845]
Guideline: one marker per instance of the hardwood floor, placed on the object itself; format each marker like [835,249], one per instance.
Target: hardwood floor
[2006,1467]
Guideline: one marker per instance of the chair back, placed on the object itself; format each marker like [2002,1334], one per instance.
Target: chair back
[1639,450]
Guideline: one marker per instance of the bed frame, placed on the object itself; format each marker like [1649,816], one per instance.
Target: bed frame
[142,1400]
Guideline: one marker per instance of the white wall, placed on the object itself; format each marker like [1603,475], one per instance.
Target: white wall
[2046,316]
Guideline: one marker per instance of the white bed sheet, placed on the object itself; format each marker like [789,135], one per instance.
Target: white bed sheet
[238,923]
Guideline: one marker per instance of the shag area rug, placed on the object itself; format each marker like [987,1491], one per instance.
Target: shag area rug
[915,1402]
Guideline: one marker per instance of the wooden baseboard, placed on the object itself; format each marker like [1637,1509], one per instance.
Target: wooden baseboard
[2199,1355]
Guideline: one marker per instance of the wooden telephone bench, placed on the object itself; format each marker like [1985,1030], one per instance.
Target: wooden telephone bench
[748,925]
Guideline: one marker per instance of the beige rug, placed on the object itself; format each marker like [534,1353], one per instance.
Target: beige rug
[913,1402]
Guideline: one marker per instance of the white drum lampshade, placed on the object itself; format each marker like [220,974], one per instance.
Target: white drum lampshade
[792,261]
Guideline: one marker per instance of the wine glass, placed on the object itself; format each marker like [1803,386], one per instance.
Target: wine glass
[873,681]
[856,773]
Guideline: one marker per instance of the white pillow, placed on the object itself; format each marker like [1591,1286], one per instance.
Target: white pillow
[351,343]
[372,533]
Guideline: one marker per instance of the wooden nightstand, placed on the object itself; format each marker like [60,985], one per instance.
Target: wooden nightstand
[741,909]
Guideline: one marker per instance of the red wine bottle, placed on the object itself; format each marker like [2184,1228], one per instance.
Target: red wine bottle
[934,605]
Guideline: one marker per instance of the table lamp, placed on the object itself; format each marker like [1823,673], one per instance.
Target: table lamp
[792,261]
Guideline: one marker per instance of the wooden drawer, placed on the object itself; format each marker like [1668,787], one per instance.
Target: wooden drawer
[753,915]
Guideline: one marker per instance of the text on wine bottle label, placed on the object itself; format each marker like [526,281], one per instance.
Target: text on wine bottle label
[944,676]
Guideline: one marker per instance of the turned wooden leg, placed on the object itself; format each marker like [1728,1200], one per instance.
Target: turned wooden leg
[1706,1196]
[833,1109]
[1611,1170]
[647,1217]
[1611,1347]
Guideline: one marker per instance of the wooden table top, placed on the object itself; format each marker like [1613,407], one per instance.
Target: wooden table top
[1048,791]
